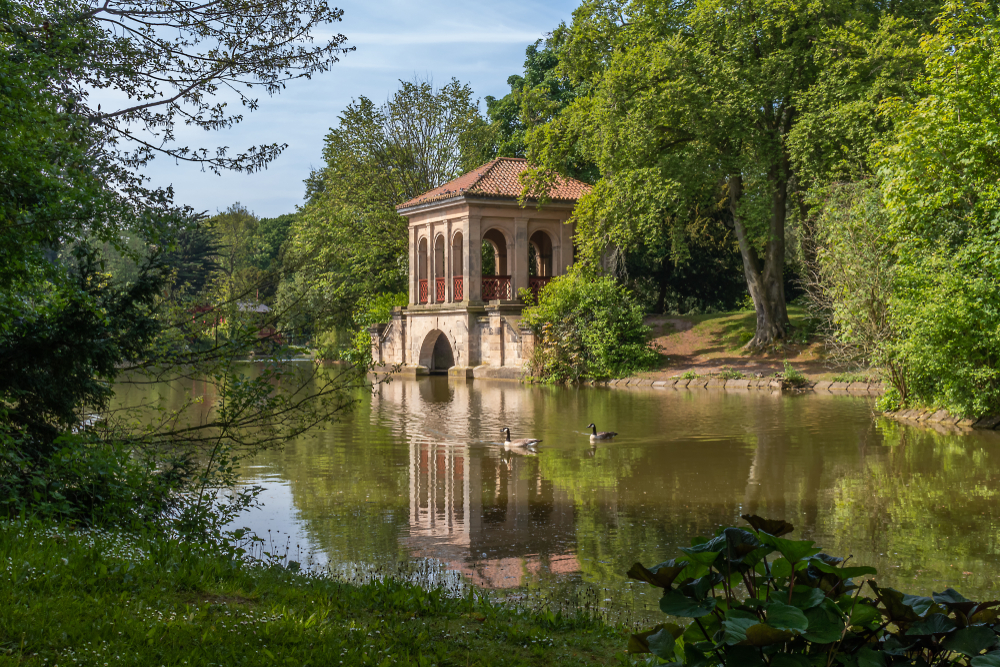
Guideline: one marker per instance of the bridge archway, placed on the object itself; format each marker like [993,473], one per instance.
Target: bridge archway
[436,352]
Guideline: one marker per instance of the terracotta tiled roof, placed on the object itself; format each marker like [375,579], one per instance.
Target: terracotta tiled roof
[498,178]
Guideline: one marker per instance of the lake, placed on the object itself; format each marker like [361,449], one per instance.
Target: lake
[417,472]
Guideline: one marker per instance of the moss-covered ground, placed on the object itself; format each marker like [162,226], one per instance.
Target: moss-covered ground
[96,598]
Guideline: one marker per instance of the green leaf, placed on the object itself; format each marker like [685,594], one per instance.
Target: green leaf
[971,641]
[844,572]
[863,614]
[825,625]
[774,527]
[950,596]
[781,568]
[786,617]
[643,641]
[693,633]
[935,624]
[793,550]
[662,643]
[988,660]
[763,634]
[661,575]
[736,625]
[918,603]
[674,603]
[869,658]
[695,658]
[806,597]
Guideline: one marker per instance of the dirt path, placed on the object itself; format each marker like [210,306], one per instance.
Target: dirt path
[707,344]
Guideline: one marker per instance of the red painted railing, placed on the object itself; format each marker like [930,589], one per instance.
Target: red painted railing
[439,292]
[536,284]
[458,292]
[423,291]
[497,287]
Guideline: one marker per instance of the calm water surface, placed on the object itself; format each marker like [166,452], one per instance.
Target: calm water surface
[418,472]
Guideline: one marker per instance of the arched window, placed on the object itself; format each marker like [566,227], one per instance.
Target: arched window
[457,266]
[439,274]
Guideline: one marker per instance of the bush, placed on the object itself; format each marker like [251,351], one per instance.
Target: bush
[802,607]
[587,328]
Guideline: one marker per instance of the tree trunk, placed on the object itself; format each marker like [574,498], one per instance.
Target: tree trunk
[766,284]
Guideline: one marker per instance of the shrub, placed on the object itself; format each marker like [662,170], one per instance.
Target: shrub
[792,375]
[802,607]
[587,328]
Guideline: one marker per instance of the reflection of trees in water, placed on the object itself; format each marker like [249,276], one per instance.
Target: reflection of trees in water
[686,464]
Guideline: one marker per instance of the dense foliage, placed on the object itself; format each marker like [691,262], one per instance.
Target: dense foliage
[586,327]
[803,607]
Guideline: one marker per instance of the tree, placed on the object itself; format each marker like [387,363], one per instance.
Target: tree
[942,202]
[689,119]
[348,241]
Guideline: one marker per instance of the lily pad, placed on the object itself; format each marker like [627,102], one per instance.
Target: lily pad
[988,660]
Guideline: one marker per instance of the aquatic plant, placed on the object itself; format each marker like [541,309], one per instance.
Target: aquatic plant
[801,608]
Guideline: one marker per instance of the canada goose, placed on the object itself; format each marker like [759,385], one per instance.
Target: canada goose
[603,435]
[523,442]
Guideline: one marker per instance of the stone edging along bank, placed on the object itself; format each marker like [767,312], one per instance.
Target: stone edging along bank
[940,417]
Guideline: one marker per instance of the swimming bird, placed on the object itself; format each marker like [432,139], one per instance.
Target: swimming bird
[603,435]
[523,442]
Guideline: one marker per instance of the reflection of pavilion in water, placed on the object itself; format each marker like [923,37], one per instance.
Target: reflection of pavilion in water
[482,510]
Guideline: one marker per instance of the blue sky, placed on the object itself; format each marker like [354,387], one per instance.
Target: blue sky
[478,43]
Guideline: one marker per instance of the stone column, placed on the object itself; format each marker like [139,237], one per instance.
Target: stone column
[472,244]
[431,265]
[414,267]
[449,284]
[519,263]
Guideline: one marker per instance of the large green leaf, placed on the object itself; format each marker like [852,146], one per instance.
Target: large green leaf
[918,603]
[763,634]
[789,660]
[706,552]
[674,603]
[736,625]
[661,575]
[806,597]
[935,624]
[781,568]
[656,640]
[843,572]
[825,625]
[696,658]
[702,631]
[786,617]
[863,614]
[971,641]
[869,658]
[662,643]
[793,550]
[774,527]
[988,660]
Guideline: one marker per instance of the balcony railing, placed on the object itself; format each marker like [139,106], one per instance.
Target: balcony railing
[457,292]
[439,291]
[423,291]
[497,287]
[536,284]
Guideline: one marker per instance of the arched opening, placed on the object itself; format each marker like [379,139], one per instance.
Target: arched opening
[439,274]
[497,283]
[541,264]
[457,266]
[436,353]
[422,271]
[539,261]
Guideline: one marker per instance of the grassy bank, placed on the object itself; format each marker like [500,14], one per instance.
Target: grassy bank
[94,598]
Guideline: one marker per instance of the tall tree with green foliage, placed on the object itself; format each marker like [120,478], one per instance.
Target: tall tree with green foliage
[939,179]
[690,117]
[348,242]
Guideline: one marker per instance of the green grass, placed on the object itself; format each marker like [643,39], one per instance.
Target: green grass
[93,598]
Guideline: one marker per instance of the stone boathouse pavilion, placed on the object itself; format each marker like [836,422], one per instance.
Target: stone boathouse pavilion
[462,320]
